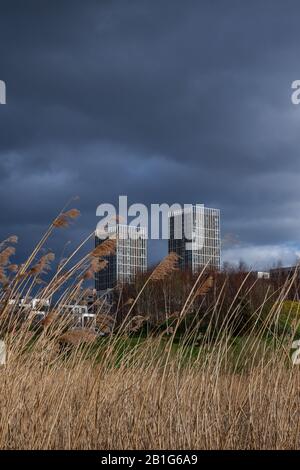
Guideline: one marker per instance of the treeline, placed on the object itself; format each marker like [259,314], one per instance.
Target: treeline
[234,299]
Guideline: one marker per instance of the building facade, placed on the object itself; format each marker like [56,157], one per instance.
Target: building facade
[286,279]
[194,235]
[129,259]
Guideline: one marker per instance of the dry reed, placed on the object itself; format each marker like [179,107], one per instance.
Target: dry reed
[64,388]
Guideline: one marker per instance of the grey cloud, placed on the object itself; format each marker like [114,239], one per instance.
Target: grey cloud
[164,101]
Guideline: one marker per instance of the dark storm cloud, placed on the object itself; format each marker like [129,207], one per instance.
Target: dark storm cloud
[164,101]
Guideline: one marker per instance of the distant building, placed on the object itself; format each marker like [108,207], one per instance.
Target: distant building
[288,277]
[203,224]
[129,259]
[282,274]
[90,300]
[30,308]
[78,316]
[263,275]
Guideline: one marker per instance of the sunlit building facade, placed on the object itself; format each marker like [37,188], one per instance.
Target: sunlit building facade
[194,234]
[129,259]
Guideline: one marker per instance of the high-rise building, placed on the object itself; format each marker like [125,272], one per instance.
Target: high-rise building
[129,259]
[194,234]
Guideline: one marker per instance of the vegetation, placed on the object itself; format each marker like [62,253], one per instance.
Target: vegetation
[186,362]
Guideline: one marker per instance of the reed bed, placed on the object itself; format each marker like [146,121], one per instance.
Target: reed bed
[68,389]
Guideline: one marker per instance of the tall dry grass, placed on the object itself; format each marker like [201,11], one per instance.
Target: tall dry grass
[64,389]
[51,402]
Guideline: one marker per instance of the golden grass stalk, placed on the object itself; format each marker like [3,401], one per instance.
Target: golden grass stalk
[65,388]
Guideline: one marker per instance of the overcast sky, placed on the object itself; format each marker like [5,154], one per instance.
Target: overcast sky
[164,101]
